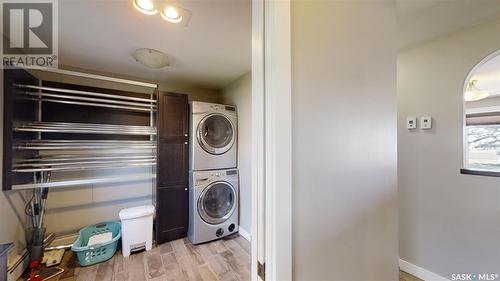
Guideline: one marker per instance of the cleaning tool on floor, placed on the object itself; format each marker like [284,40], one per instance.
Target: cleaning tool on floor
[45,273]
[35,209]
[54,257]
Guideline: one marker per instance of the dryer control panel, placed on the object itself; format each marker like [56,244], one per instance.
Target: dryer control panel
[198,107]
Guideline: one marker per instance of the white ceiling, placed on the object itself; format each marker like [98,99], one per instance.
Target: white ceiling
[213,50]
[215,47]
[488,76]
[420,20]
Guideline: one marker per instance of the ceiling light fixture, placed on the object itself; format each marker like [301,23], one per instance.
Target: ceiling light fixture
[171,14]
[151,58]
[473,93]
[145,6]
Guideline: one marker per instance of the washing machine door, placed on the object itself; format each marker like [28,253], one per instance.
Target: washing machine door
[215,134]
[217,202]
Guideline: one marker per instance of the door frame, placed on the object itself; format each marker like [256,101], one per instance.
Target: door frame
[271,139]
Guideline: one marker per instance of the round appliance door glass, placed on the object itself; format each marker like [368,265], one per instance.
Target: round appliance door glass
[217,202]
[215,134]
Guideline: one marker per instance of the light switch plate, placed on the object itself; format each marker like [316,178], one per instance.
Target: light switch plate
[411,123]
[426,122]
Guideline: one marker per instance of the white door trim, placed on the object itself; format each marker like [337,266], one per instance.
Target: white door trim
[271,139]
[257,136]
[278,140]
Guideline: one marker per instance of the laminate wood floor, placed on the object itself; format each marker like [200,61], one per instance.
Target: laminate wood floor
[403,276]
[225,259]
[179,260]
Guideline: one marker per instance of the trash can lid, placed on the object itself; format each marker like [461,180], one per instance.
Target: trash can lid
[137,212]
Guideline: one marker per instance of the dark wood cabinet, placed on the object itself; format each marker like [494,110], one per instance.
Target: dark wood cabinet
[172,168]
[173,118]
[16,110]
[173,210]
[172,163]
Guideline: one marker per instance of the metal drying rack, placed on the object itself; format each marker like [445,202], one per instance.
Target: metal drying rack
[80,155]
[42,156]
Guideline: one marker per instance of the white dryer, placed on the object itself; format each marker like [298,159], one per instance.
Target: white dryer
[213,143]
[213,205]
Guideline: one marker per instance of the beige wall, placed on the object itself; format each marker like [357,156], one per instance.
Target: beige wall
[449,223]
[239,93]
[344,140]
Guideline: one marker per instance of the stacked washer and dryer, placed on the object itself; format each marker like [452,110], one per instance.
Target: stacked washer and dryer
[213,179]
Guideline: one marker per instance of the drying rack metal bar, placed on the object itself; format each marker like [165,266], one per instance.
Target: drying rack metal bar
[86,125]
[40,147]
[85,93]
[74,131]
[85,167]
[84,142]
[66,157]
[95,76]
[57,127]
[132,103]
[82,162]
[93,141]
[84,181]
[95,102]
[130,108]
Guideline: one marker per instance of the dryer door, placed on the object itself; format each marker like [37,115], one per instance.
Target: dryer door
[216,134]
[217,202]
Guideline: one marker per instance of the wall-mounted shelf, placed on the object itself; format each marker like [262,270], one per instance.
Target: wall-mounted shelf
[53,127]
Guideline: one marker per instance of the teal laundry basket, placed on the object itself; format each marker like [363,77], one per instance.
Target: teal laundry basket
[96,253]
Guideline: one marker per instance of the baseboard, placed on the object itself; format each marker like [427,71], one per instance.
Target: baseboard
[419,272]
[245,234]
[18,267]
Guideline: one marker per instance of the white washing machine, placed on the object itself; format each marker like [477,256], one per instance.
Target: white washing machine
[213,143]
[213,205]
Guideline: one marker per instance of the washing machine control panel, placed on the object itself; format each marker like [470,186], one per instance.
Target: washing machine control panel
[205,178]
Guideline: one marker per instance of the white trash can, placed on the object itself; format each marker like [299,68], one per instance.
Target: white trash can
[137,228]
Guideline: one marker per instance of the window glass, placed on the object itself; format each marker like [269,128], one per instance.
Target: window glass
[482,116]
[484,147]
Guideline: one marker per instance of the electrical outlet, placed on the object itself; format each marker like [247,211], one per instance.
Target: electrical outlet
[426,122]
[411,123]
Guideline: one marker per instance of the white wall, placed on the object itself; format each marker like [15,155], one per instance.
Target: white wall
[449,223]
[344,140]
[239,93]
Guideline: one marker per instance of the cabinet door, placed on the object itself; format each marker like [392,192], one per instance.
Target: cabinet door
[172,213]
[172,163]
[172,115]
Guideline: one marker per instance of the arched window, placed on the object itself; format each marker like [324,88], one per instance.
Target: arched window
[482,117]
